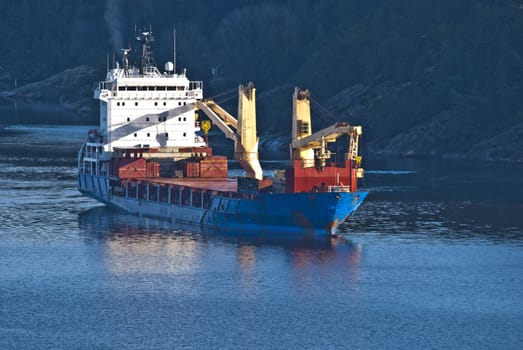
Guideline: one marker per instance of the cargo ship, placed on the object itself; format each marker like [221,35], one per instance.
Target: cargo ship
[151,157]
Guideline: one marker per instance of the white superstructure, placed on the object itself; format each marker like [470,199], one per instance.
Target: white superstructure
[143,108]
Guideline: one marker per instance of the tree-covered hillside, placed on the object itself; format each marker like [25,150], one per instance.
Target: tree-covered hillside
[434,77]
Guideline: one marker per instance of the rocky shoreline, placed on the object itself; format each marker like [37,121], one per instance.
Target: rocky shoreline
[70,93]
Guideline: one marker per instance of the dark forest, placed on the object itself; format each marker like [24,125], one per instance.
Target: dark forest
[424,78]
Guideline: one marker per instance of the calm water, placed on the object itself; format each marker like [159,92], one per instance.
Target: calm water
[433,259]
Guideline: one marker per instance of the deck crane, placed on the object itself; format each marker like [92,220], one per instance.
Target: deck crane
[311,148]
[309,153]
[242,130]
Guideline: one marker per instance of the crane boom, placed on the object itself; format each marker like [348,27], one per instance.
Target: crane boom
[309,147]
[219,117]
[242,130]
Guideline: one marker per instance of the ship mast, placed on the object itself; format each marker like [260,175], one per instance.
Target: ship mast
[174,50]
[148,64]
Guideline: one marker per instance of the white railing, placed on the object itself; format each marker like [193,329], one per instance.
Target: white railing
[338,188]
[193,85]
[81,156]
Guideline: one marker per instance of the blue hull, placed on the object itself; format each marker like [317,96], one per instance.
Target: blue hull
[301,214]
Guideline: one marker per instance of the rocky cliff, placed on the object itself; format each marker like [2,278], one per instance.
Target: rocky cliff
[434,78]
[69,91]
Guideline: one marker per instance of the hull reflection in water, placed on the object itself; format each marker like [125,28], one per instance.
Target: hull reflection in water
[138,244]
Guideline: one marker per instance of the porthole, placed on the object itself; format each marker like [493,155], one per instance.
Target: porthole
[136,103]
[147,119]
[165,103]
[184,119]
[117,103]
[148,134]
[135,134]
[128,119]
[156,103]
[179,103]
[184,134]
[123,103]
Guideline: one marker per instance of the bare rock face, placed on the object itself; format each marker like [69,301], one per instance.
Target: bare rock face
[507,147]
[434,137]
[70,91]
[420,141]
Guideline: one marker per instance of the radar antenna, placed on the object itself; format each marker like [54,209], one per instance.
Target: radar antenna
[146,38]
[125,60]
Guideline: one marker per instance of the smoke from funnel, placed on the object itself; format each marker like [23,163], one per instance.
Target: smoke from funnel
[148,12]
[114,22]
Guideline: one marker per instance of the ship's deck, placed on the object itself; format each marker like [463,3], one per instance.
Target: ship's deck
[223,184]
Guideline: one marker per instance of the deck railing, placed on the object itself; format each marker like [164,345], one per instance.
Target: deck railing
[338,188]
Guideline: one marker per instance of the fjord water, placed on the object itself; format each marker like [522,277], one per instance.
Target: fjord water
[432,259]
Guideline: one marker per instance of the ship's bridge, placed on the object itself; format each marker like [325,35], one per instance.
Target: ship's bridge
[143,108]
[138,110]
[138,86]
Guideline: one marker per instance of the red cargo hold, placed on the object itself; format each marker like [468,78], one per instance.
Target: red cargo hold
[126,168]
[153,169]
[215,166]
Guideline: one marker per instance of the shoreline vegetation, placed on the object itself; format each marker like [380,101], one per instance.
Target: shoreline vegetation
[70,105]
[435,79]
